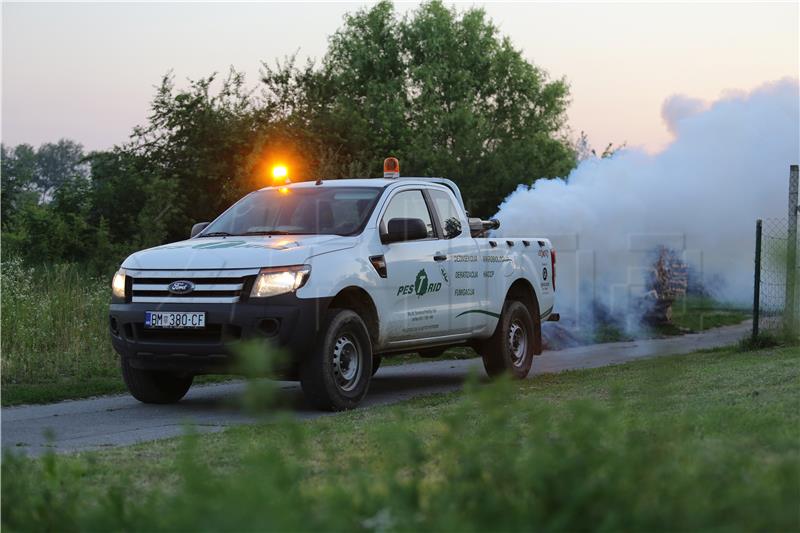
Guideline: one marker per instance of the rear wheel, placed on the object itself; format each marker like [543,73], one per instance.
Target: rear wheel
[512,346]
[151,386]
[336,374]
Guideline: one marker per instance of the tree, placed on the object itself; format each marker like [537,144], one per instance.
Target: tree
[200,144]
[57,163]
[439,89]
[17,179]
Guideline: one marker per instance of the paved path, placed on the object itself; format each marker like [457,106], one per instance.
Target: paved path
[120,420]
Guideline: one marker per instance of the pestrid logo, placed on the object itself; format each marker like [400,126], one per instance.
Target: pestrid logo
[421,286]
[180,287]
[421,283]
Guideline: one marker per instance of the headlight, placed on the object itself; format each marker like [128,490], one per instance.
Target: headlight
[118,285]
[279,280]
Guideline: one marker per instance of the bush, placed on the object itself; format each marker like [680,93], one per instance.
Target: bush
[54,321]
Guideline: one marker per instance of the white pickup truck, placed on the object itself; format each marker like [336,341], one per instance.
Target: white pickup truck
[339,273]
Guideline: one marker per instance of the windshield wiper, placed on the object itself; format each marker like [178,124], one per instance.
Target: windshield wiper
[217,234]
[270,232]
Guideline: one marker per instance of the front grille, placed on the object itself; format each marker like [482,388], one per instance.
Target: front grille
[153,286]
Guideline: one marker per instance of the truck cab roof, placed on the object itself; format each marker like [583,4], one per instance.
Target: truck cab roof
[377,182]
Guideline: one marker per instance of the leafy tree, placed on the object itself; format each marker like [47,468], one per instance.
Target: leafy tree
[58,163]
[200,144]
[439,89]
[17,178]
[135,205]
[584,149]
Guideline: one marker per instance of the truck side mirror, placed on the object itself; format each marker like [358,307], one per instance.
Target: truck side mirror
[197,228]
[405,229]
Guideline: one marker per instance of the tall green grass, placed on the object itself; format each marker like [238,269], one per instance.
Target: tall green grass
[54,324]
[701,442]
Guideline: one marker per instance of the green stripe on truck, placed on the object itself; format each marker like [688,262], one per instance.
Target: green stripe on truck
[497,315]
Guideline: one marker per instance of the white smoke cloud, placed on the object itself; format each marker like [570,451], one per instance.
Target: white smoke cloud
[678,107]
[728,166]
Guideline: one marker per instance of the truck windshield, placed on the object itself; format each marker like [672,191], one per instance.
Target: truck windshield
[297,211]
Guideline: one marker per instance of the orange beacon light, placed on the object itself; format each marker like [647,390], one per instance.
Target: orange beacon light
[391,167]
[279,171]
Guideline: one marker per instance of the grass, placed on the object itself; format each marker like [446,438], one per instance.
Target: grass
[55,341]
[697,314]
[708,440]
[71,389]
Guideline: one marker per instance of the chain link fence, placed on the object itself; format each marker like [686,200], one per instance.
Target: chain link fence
[776,295]
[777,306]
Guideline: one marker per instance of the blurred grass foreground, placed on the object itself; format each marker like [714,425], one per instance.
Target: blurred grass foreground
[707,441]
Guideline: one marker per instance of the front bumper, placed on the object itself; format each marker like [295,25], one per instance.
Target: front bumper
[285,321]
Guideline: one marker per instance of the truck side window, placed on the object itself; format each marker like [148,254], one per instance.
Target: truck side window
[409,204]
[449,216]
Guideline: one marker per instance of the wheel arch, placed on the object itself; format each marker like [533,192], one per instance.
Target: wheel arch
[359,300]
[522,290]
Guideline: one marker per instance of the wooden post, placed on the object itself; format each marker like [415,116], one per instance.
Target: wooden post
[790,324]
[757,281]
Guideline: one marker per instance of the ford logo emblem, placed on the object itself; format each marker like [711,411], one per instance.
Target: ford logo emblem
[180,287]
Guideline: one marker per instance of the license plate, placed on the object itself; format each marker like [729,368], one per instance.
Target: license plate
[174,320]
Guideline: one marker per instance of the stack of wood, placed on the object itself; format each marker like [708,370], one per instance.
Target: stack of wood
[669,278]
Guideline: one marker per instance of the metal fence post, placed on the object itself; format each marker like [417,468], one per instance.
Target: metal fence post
[791,255]
[757,281]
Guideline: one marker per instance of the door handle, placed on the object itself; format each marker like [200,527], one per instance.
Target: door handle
[439,257]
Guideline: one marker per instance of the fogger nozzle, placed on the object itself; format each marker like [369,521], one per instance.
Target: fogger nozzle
[492,223]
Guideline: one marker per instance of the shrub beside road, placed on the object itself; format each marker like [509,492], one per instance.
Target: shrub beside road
[706,440]
[55,336]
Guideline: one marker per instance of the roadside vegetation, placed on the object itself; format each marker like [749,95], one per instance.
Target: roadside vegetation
[699,313]
[651,445]
[55,340]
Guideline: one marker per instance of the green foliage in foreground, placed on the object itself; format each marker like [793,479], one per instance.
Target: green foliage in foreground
[704,441]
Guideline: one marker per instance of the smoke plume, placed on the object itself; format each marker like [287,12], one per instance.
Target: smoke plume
[727,166]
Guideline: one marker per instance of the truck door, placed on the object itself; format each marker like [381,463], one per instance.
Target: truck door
[415,292]
[466,286]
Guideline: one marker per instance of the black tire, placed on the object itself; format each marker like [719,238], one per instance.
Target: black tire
[328,377]
[150,386]
[511,348]
[376,363]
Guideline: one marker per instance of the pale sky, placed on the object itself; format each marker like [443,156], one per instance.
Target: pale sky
[87,71]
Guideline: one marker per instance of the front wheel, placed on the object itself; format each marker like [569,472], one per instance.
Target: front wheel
[152,386]
[512,346]
[336,374]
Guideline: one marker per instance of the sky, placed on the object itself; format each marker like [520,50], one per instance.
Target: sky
[87,71]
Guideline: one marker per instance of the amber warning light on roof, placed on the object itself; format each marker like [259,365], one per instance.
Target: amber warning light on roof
[391,167]
[280,172]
